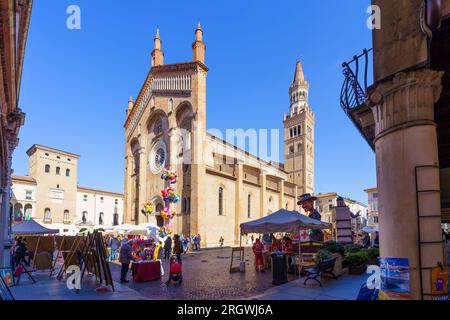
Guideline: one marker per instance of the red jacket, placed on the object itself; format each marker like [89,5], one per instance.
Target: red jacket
[257,247]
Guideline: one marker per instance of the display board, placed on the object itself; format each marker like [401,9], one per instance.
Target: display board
[237,254]
[5,293]
[8,276]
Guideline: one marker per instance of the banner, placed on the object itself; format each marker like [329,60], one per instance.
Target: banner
[394,279]
[439,283]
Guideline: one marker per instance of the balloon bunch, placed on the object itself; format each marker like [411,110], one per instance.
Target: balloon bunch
[170,196]
[148,208]
[164,232]
[169,175]
[166,213]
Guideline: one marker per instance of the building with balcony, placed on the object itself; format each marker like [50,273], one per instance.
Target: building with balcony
[404,115]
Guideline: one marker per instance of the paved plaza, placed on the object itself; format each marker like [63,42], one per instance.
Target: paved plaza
[206,277]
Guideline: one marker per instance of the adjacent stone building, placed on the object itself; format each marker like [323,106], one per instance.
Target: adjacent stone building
[372,217]
[220,184]
[50,194]
[14,23]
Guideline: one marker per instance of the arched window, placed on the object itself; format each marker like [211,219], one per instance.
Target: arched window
[47,215]
[100,219]
[84,217]
[58,170]
[67,172]
[220,201]
[66,218]
[287,206]
[249,206]
[47,168]
[158,126]
[170,105]
[159,219]
[18,212]
[299,148]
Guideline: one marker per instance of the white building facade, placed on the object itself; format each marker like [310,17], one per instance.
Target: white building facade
[372,219]
[51,195]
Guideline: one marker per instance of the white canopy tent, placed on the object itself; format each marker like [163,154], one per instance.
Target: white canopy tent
[31,227]
[129,227]
[282,221]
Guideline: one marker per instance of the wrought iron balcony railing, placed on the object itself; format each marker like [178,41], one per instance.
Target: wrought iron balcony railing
[353,94]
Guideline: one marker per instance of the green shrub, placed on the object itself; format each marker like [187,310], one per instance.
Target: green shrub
[322,255]
[357,258]
[352,248]
[334,247]
[373,253]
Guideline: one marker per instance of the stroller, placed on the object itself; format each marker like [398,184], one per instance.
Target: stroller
[175,272]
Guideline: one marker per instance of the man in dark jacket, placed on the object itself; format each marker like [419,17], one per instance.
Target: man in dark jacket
[125,257]
[167,247]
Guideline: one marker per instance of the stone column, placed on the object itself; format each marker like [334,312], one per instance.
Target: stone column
[127,189]
[296,206]
[199,190]
[142,182]
[263,184]
[238,201]
[281,197]
[5,236]
[405,137]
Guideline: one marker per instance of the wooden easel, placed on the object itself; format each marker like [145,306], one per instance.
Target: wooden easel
[69,254]
[94,259]
[38,253]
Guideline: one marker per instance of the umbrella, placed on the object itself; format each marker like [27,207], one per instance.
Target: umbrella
[369,229]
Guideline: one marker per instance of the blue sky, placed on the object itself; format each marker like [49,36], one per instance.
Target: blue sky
[76,83]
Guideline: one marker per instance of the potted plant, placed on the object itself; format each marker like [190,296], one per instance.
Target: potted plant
[338,251]
[357,262]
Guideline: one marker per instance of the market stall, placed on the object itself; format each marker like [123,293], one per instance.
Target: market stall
[147,265]
[284,221]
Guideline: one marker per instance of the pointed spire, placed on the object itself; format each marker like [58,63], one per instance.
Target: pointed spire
[130,105]
[299,76]
[157,54]
[157,40]
[198,46]
[199,32]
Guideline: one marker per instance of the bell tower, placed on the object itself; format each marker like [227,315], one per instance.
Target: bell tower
[299,134]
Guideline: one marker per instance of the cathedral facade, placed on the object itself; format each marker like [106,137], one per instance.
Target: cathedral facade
[220,185]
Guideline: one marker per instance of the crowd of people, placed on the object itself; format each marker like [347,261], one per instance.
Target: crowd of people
[119,248]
